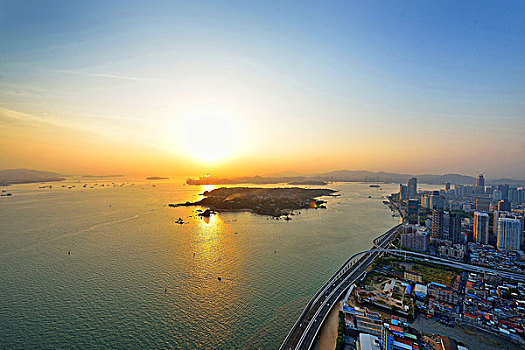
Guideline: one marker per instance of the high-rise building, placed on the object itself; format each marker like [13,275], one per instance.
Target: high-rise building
[447,186]
[493,235]
[403,192]
[509,235]
[454,228]
[437,224]
[480,185]
[509,215]
[412,188]
[513,195]
[459,191]
[436,201]
[504,189]
[503,205]
[521,195]
[413,211]
[481,228]
[481,181]
[482,204]
[496,195]
[425,201]
[415,237]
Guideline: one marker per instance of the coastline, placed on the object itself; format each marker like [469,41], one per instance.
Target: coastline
[377,242]
[273,202]
[328,333]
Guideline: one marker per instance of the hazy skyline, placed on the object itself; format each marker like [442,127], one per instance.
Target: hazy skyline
[245,88]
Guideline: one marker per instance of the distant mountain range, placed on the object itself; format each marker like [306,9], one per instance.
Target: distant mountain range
[19,176]
[352,176]
[381,176]
[16,176]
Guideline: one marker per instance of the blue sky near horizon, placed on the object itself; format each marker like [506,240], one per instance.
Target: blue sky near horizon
[449,75]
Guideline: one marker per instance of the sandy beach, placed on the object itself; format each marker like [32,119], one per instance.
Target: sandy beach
[328,335]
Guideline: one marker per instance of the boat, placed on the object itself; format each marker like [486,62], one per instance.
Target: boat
[179,221]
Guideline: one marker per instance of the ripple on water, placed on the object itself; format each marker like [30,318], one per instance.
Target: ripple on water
[136,280]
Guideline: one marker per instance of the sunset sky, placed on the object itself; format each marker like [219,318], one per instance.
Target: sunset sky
[250,88]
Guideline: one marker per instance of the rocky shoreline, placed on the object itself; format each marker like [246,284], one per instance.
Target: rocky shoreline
[263,201]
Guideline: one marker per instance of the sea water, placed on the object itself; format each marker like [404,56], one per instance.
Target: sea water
[108,267]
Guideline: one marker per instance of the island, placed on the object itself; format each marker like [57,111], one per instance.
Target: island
[22,176]
[157,178]
[263,201]
[308,182]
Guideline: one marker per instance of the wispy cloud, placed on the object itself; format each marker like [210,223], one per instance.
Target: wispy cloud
[102,75]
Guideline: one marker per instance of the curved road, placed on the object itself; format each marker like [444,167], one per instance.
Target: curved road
[304,331]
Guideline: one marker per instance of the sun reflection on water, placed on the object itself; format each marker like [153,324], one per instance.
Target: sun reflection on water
[217,278]
[209,237]
[216,252]
[205,188]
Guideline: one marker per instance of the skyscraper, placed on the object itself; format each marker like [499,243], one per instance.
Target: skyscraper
[482,204]
[509,235]
[481,181]
[504,189]
[521,195]
[412,188]
[413,211]
[454,228]
[415,237]
[513,195]
[459,190]
[480,185]
[504,205]
[447,186]
[425,201]
[436,201]
[481,228]
[437,224]
[403,193]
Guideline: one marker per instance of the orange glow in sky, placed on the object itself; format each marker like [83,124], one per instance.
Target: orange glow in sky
[247,88]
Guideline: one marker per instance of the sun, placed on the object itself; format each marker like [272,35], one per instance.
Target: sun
[209,134]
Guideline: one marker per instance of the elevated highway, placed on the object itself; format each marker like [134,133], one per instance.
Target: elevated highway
[305,330]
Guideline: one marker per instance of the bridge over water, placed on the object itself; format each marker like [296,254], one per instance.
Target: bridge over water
[305,330]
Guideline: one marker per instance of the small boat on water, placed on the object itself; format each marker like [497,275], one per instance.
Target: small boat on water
[179,221]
